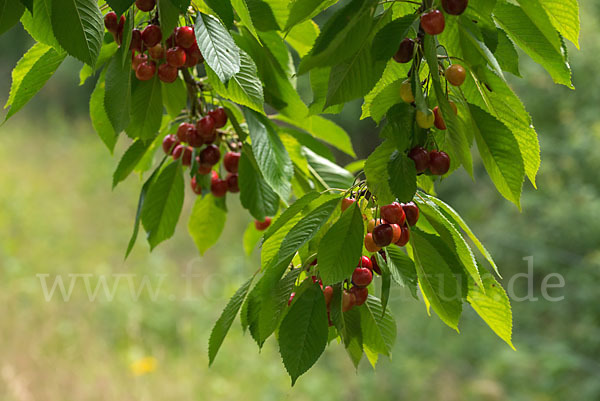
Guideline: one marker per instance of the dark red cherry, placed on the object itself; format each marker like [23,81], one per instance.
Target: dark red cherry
[167,73]
[176,57]
[184,36]
[405,51]
[360,295]
[455,7]
[169,144]
[231,161]
[412,213]
[210,155]
[439,162]
[433,22]
[232,183]
[151,35]
[219,115]
[383,235]
[421,158]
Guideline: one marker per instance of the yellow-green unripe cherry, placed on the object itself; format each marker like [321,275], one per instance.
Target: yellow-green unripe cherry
[425,120]
[406,92]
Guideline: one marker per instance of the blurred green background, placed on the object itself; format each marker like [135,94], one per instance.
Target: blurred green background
[58,216]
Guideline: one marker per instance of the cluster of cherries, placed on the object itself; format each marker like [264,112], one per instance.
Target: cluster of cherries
[180,50]
[437,161]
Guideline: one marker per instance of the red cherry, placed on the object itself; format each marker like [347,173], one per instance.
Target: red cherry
[360,295]
[382,235]
[218,188]
[328,294]
[152,35]
[404,237]
[262,225]
[167,73]
[145,5]
[169,144]
[137,59]
[220,116]
[157,52]
[455,7]
[145,71]
[193,138]
[210,155]
[412,213]
[362,277]
[397,232]
[184,36]
[439,162]
[214,176]
[405,51]
[182,131]
[136,40]
[365,262]
[393,213]
[232,183]
[421,158]
[195,187]
[455,74]
[119,35]
[346,203]
[439,120]
[111,22]
[206,128]
[348,301]
[192,58]
[433,22]
[231,161]
[201,168]
[185,152]
[370,243]
[176,56]
[376,267]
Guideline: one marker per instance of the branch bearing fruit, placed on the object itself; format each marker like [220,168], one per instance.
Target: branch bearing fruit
[455,7]
[433,22]
[262,225]
[439,162]
[425,120]
[151,35]
[383,235]
[406,92]
[412,213]
[231,161]
[421,158]
[455,74]
[393,213]
[405,52]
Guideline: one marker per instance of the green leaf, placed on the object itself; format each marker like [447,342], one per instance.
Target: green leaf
[302,10]
[38,25]
[79,28]
[302,37]
[251,238]
[400,126]
[492,304]
[538,39]
[341,247]
[207,221]
[402,268]
[378,327]
[106,53]
[506,54]
[174,96]
[168,14]
[181,4]
[564,16]
[436,278]
[303,332]
[376,170]
[130,159]
[402,176]
[120,6]
[163,204]
[241,8]
[386,92]
[500,153]
[290,212]
[146,109]
[99,118]
[31,73]
[271,156]
[387,40]
[217,46]
[28,4]
[255,194]
[117,95]
[223,324]
[223,9]
[352,335]
[10,13]
[243,88]
[329,173]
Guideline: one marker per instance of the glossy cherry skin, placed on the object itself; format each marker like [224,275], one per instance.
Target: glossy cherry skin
[373,223]
[145,5]
[433,22]
[185,152]
[426,119]
[346,203]
[151,35]
[193,56]
[421,158]
[393,213]
[195,187]
[439,120]
[455,74]
[412,213]
[145,71]
[169,144]
[184,36]
[328,294]
[219,115]
[404,237]
[206,128]
[167,73]
[455,7]
[218,188]
[210,155]
[193,138]
[348,301]
[360,295]
[182,131]
[231,161]
[262,225]
[439,162]
[370,243]
[232,183]
[383,235]
[362,276]
[405,51]
[176,57]
[137,59]
[136,40]
[397,232]
[111,22]
[365,262]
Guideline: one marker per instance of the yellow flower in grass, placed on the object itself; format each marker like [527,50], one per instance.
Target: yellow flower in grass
[144,365]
